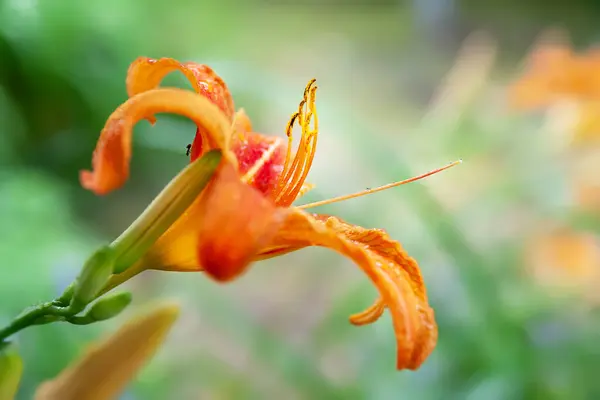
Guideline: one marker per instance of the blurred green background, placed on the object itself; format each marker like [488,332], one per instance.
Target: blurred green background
[404,87]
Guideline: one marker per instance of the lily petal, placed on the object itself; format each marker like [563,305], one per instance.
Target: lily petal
[147,73]
[238,221]
[394,273]
[232,224]
[112,155]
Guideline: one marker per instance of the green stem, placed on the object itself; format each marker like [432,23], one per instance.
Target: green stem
[26,319]
[123,256]
[58,308]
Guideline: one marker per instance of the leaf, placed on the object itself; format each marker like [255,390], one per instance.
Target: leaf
[106,368]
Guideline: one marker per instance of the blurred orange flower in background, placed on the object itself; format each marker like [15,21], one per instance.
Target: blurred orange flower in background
[553,73]
[587,195]
[567,259]
[585,179]
[556,75]
[245,213]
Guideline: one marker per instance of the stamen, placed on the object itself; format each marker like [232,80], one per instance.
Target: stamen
[288,154]
[296,168]
[286,174]
[301,173]
[378,189]
[310,149]
[306,187]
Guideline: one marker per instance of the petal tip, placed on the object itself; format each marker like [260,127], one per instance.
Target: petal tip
[88,181]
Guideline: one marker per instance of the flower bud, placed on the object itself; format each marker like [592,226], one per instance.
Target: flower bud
[94,275]
[109,306]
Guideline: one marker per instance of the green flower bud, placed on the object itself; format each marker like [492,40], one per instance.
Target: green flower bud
[105,308]
[109,306]
[93,277]
[66,297]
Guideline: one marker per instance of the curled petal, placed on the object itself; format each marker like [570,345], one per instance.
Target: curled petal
[232,225]
[393,272]
[369,315]
[147,73]
[112,155]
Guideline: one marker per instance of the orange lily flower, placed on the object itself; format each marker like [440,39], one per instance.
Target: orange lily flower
[554,72]
[245,214]
[562,258]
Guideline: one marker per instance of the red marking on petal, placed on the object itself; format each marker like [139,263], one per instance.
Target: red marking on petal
[251,149]
[196,150]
